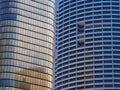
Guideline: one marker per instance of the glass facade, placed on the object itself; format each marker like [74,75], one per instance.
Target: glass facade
[26,44]
[87,45]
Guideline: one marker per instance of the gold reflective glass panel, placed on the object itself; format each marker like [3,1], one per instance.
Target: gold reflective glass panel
[26,44]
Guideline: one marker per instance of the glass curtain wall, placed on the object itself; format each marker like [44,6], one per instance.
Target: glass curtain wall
[26,44]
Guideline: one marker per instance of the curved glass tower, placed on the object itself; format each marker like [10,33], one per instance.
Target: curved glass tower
[26,44]
[88,45]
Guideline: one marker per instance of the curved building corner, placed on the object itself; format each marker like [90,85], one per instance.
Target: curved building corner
[26,44]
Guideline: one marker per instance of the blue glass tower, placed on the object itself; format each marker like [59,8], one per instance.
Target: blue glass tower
[88,45]
[26,44]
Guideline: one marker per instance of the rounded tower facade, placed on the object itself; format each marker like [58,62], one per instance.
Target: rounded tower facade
[87,45]
[26,44]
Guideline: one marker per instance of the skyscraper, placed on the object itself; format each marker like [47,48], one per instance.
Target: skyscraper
[88,45]
[26,44]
